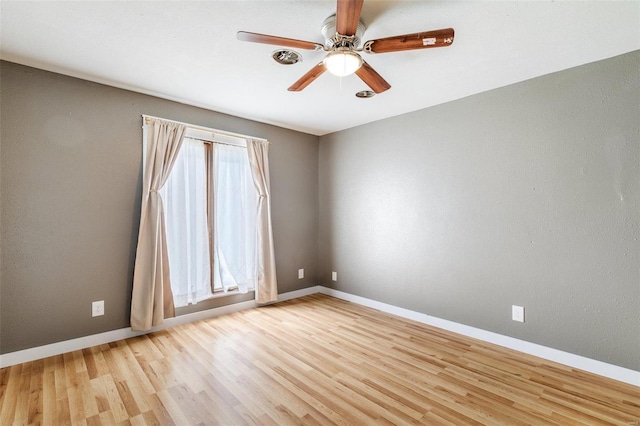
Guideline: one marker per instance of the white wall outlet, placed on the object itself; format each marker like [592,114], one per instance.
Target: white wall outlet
[97,308]
[334,276]
[517,313]
[300,274]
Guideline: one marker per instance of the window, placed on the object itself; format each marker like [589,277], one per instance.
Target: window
[234,219]
[161,146]
[210,207]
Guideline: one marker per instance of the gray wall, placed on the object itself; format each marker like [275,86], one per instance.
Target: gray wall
[525,195]
[70,187]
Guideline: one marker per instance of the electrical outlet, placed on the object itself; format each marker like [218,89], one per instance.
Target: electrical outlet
[300,274]
[97,308]
[334,276]
[517,313]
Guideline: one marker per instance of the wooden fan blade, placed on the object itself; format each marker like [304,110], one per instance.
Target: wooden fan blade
[279,41]
[425,40]
[348,16]
[372,78]
[308,78]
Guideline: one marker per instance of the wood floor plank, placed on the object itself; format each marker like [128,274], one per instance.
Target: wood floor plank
[36,393]
[48,392]
[315,360]
[22,404]
[10,394]
[175,411]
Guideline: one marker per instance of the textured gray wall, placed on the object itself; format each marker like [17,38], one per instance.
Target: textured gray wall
[525,195]
[70,188]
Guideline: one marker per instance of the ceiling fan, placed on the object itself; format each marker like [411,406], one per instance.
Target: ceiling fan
[343,33]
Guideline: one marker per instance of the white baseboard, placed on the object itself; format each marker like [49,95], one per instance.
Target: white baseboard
[600,368]
[614,372]
[39,352]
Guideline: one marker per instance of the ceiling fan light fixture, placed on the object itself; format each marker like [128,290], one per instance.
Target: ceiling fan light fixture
[342,62]
[365,94]
[286,56]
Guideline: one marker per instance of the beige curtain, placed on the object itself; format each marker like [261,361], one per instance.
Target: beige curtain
[152,300]
[267,286]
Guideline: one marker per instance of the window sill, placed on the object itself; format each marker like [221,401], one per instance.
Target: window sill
[220,293]
[216,300]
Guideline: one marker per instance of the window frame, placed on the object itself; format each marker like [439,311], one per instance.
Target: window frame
[207,136]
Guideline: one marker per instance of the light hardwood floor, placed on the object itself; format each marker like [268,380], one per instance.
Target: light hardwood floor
[313,360]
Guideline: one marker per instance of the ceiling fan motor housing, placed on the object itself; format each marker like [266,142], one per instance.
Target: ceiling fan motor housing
[335,40]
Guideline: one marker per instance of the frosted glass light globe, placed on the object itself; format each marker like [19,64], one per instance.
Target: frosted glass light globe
[342,62]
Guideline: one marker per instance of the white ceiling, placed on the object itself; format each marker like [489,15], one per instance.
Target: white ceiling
[187,51]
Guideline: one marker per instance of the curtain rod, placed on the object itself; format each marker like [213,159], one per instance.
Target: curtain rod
[206,129]
[218,142]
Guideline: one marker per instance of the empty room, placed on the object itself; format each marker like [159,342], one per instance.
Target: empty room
[319,212]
